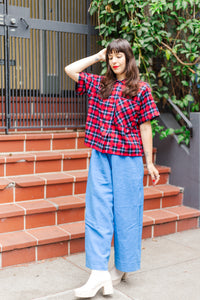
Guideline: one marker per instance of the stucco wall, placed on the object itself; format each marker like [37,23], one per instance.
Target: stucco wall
[184,162]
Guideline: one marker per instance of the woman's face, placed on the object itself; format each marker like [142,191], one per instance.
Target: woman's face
[117,62]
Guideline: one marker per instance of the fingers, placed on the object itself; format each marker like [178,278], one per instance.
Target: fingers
[155,179]
[155,176]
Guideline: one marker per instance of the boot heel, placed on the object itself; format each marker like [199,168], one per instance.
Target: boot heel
[108,288]
[125,276]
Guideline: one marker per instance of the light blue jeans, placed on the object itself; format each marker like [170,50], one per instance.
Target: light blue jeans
[114,204]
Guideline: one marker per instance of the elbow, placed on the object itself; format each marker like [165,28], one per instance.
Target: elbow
[67,70]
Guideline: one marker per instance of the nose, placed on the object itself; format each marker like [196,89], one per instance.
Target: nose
[114,60]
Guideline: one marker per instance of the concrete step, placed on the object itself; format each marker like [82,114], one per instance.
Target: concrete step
[65,239]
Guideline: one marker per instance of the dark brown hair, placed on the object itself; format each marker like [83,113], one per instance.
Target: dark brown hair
[132,72]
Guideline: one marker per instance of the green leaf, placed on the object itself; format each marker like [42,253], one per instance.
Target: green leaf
[168,54]
[185,83]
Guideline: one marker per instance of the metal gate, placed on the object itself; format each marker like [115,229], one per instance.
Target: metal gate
[37,39]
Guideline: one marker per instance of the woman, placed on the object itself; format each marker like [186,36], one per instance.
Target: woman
[118,130]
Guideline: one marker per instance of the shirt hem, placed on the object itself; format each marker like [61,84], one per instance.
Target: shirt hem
[113,152]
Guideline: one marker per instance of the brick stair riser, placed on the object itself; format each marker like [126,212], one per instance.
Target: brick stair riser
[24,143]
[43,166]
[156,230]
[15,193]
[68,247]
[41,252]
[55,216]
[36,220]
[56,161]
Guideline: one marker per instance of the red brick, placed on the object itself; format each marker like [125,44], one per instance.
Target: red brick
[70,215]
[81,143]
[77,245]
[64,143]
[6,195]
[184,212]
[52,250]
[172,200]
[168,190]
[39,220]
[48,166]
[49,235]
[16,240]
[36,206]
[11,224]
[76,230]
[1,170]
[18,256]
[57,190]
[29,193]
[152,204]
[9,146]
[161,216]
[147,232]
[74,164]
[10,210]
[68,202]
[19,168]
[187,224]
[80,187]
[152,193]
[35,145]
[164,229]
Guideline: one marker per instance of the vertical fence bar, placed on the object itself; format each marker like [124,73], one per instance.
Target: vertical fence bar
[7,76]
[26,64]
[2,82]
[12,98]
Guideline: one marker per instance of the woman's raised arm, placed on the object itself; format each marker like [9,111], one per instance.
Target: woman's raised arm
[78,66]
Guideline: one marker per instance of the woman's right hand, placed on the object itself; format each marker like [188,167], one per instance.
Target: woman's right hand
[102,55]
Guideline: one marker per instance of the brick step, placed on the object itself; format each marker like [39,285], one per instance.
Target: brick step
[65,239]
[46,162]
[40,213]
[24,215]
[23,143]
[48,185]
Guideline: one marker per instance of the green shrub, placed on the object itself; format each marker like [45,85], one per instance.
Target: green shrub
[165,38]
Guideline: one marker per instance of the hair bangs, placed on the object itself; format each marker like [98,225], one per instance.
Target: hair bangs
[115,46]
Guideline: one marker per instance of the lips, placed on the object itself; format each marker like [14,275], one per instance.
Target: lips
[115,67]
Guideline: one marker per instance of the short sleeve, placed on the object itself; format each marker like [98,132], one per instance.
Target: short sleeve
[87,83]
[148,108]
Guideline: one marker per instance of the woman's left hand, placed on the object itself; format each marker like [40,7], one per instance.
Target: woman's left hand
[154,173]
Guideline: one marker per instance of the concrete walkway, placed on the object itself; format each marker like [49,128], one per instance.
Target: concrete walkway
[170,271]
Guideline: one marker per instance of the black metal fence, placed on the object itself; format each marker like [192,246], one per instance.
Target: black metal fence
[37,39]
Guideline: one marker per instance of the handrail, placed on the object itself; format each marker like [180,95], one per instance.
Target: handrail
[187,121]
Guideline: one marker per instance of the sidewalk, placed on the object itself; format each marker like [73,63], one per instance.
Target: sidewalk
[170,271]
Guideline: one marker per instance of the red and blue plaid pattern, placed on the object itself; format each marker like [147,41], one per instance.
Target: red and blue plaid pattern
[112,124]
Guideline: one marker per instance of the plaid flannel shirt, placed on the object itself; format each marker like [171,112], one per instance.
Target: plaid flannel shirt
[112,124]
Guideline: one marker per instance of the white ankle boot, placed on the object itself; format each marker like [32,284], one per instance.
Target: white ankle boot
[117,276]
[96,281]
